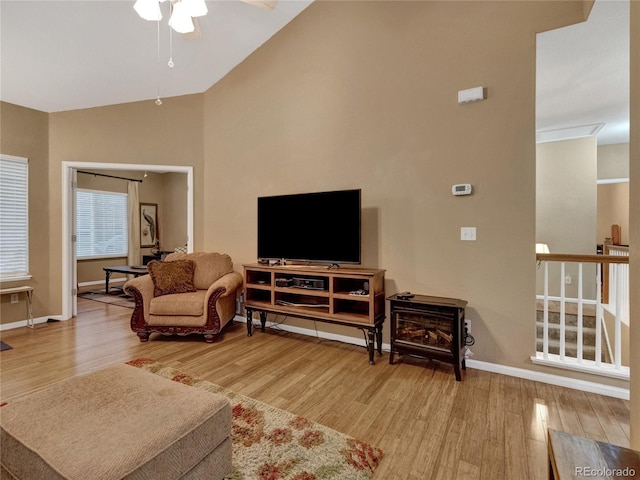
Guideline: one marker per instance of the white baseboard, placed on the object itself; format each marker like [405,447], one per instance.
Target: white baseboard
[585,386]
[92,283]
[313,333]
[586,366]
[101,282]
[23,323]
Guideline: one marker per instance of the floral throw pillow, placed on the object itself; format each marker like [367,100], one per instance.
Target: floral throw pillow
[172,277]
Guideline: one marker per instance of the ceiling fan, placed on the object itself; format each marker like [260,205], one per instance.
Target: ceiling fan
[184,13]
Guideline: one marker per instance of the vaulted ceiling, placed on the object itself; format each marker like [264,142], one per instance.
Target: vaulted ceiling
[64,55]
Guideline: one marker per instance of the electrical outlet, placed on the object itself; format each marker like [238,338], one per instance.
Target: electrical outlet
[567,279]
[15,298]
[467,325]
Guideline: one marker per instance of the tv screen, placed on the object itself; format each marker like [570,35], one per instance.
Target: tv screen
[315,227]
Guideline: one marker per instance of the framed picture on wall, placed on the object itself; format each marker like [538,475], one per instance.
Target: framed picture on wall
[148,224]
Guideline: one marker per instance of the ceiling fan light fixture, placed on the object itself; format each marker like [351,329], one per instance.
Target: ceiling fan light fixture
[180,19]
[196,8]
[148,9]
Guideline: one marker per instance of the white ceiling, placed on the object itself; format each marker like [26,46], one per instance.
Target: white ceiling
[583,75]
[65,55]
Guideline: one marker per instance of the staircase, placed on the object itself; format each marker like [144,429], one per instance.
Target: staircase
[571,331]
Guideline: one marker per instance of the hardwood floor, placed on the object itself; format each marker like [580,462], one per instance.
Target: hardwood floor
[488,426]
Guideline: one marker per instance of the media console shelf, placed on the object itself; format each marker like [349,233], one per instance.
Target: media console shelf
[318,293]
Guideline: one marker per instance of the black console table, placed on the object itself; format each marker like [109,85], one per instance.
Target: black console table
[429,327]
[135,270]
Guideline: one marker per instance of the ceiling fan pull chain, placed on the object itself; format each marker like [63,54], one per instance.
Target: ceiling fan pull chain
[170,62]
[158,99]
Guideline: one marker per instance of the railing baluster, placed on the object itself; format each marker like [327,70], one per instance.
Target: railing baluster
[618,325]
[598,315]
[545,334]
[612,284]
[626,299]
[562,312]
[579,337]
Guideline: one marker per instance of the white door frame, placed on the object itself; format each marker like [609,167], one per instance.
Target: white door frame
[68,254]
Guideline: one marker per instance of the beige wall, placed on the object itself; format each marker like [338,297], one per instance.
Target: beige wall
[173,213]
[566,208]
[25,133]
[169,192]
[364,95]
[613,199]
[566,195]
[613,208]
[613,161]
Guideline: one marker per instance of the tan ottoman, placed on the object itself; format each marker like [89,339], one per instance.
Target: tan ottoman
[117,423]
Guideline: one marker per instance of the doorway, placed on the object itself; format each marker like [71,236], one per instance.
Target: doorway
[69,266]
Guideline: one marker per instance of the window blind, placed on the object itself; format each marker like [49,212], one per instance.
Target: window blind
[14,217]
[101,224]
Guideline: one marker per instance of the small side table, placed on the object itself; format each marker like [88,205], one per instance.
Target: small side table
[29,294]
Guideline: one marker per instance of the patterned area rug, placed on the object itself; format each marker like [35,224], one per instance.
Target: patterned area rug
[273,444]
[116,297]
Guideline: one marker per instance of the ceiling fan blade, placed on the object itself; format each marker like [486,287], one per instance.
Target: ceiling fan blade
[266,4]
[196,34]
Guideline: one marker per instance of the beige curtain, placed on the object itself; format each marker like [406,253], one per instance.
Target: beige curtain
[134,257]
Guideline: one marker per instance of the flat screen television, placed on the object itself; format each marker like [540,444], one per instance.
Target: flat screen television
[321,227]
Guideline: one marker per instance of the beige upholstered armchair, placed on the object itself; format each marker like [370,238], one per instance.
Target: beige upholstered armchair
[184,294]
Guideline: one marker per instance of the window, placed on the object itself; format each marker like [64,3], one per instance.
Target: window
[14,218]
[101,224]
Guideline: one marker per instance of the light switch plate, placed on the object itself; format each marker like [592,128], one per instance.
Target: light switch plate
[468,233]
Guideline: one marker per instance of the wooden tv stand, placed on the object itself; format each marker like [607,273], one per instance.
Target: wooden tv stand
[318,293]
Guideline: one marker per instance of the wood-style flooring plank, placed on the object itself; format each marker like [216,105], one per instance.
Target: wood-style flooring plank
[466,471]
[430,427]
[493,462]
[515,465]
[617,432]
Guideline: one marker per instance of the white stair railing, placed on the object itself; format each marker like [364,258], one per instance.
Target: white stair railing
[618,289]
[617,267]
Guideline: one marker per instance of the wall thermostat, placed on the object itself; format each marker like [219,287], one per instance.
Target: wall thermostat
[462,189]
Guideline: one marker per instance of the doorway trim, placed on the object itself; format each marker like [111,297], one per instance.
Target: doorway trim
[68,258]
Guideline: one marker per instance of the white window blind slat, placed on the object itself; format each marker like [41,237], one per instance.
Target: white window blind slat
[101,224]
[14,217]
